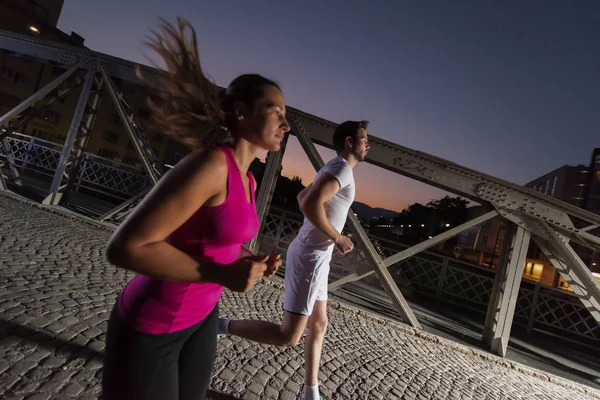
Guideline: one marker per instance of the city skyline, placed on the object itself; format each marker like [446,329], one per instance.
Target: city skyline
[508,89]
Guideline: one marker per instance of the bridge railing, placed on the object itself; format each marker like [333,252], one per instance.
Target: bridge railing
[440,279]
[429,275]
[97,174]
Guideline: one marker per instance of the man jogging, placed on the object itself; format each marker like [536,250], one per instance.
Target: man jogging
[325,204]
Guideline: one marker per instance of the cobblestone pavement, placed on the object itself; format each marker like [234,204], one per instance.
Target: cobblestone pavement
[56,291]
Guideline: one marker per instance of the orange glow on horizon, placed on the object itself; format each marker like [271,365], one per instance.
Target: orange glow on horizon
[374,186]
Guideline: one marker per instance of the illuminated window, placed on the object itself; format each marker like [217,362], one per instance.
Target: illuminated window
[554,186]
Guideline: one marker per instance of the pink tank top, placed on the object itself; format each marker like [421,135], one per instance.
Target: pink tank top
[211,234]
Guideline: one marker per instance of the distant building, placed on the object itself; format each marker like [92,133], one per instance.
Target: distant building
[22,77]
[578,185]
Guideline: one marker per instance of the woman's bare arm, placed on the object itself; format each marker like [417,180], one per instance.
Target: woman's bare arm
[139,243]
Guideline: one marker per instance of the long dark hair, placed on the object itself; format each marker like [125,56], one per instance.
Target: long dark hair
[188,106]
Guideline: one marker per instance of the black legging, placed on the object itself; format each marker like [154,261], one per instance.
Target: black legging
[168,367]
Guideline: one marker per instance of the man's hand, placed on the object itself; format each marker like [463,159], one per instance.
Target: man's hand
[343,244]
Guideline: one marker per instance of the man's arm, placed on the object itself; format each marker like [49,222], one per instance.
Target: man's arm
[303,193]
[312,203]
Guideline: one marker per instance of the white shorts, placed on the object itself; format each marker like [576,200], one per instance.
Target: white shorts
[306,277]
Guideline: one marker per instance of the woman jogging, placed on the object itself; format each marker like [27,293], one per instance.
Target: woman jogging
[185,239]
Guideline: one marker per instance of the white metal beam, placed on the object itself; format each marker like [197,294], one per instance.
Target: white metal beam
[136,136]
[120,212]
[411,251]
[418,165]
[55,195]
[565,260]
[267,188]
[67,55]
[505,291]
[16,176]
[34,98]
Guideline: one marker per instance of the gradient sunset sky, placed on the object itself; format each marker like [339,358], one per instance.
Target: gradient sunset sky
[510,88]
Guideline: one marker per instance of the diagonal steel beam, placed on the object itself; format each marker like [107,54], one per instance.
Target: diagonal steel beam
[3,185]
[61,93]
[565,260]
[588,228]
[267,188]
[363,240]
[411,251]
[83,138]
[34,98]
[16,176]
[572,269]
[121,211]
[501,308]
[55,195]
[143,152]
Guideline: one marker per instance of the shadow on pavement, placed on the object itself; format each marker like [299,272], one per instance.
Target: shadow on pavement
[46,340]
[214,395]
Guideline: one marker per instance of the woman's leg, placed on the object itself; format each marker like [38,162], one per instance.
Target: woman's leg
[139,365]
[197,358]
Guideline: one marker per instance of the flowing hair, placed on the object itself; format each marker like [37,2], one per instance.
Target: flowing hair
[188,106]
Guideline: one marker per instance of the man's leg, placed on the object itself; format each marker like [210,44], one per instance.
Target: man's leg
[317,326]
[286,334]
[301,289]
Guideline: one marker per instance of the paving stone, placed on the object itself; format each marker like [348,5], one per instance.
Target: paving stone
[57,292]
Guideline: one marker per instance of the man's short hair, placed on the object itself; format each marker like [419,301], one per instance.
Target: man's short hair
[345,129]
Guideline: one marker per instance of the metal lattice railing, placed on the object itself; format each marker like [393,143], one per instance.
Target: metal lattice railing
[97,174]
[100,173]
[445,279]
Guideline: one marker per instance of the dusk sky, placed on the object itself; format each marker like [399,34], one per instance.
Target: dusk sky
[510,88]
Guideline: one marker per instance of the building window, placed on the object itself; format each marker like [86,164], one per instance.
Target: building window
[554,186]
[483,239]
[534,187]
[115,119]
[11,75]
[6,100]
[50,116]
[111,155]
[110,137]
